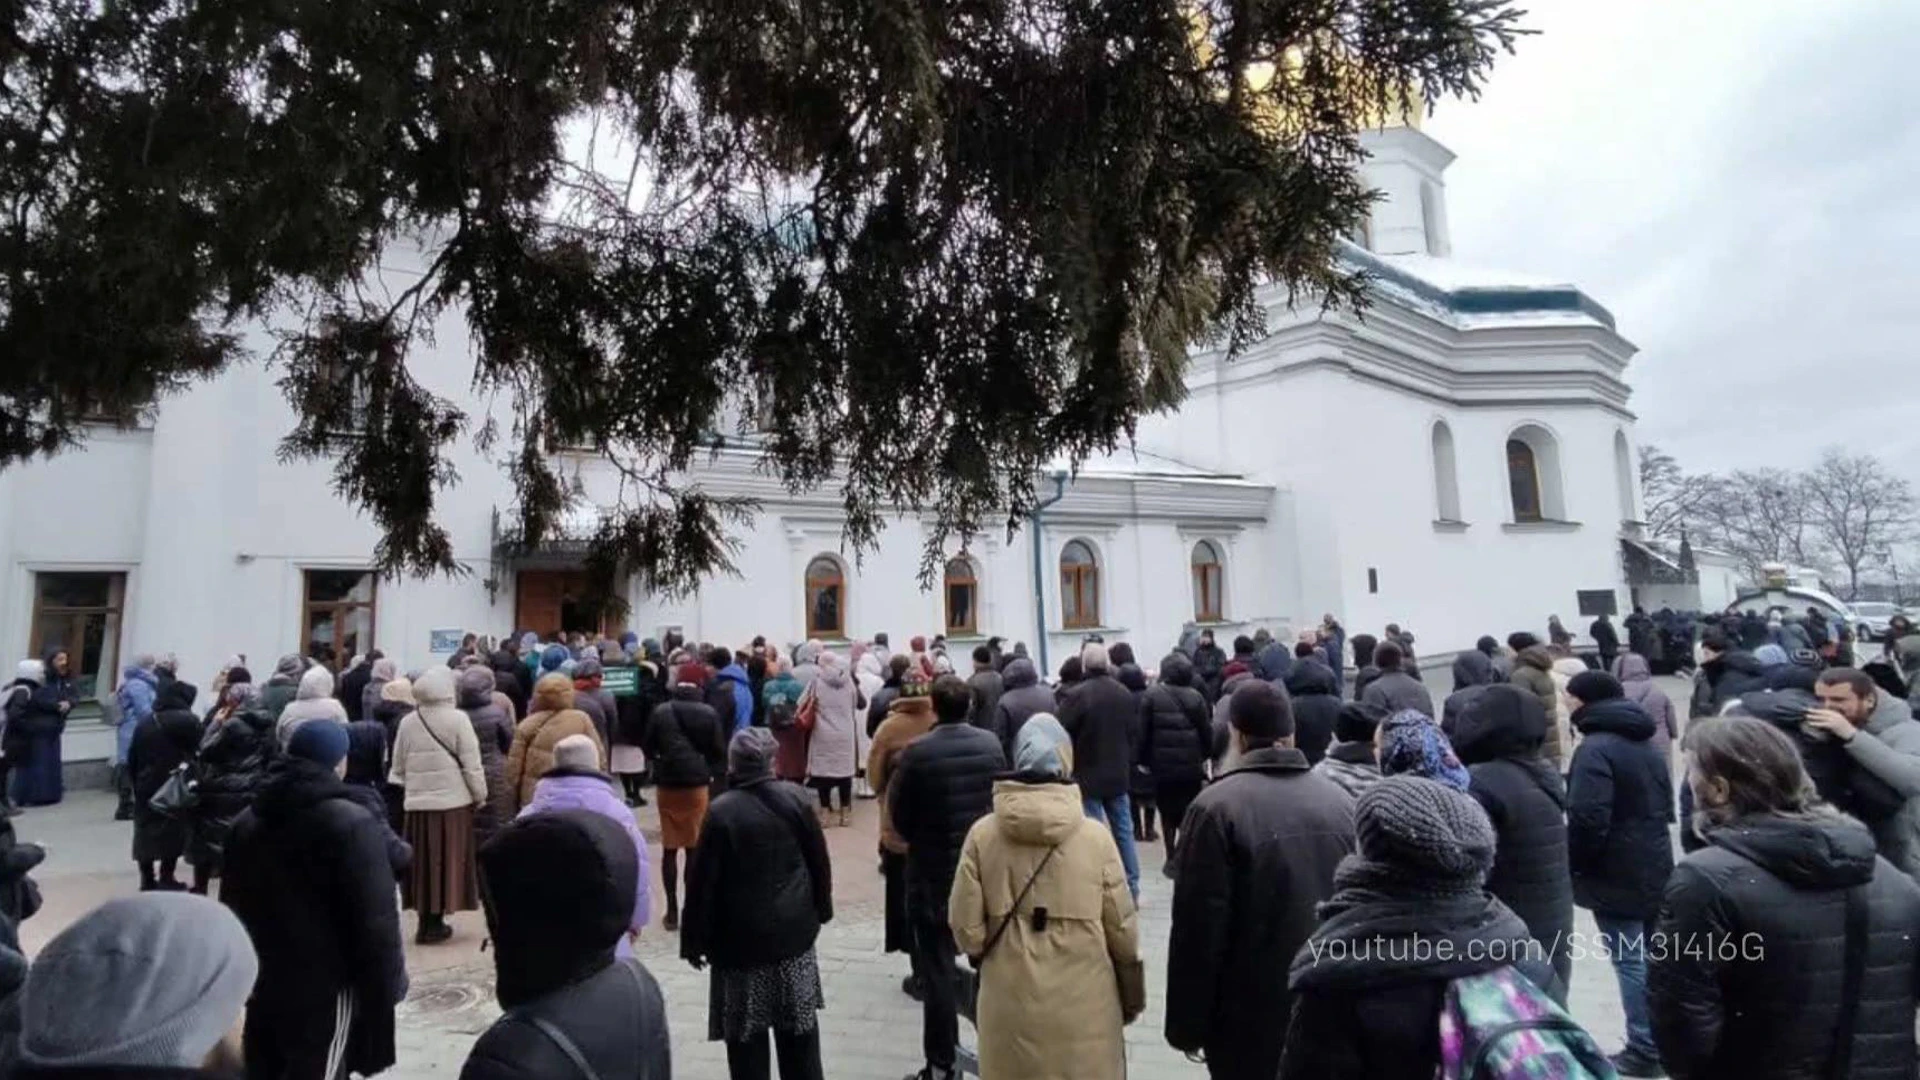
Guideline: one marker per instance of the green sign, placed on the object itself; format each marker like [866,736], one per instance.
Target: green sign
[620,681]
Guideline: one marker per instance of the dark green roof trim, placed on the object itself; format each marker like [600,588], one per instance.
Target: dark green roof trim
[1481,300]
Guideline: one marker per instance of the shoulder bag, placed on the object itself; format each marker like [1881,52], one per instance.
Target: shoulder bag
[970,987]
[564,1042]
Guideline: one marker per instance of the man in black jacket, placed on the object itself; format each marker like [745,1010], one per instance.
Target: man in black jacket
[559,891]
[1605,638]
[1315,690]
[1179,740]
[1102,716]
[1257,858]
[987,685]
[942,784]
[1023,696]
[1726,674]
[1619,804]
[353,685]
[307,873]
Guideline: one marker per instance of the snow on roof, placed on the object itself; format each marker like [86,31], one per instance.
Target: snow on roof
[1451,274]
[1470,297]
[1140,464]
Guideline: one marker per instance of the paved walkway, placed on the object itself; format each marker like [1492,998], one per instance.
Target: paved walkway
[871,1030]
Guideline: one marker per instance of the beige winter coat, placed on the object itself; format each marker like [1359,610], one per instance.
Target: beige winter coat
[1533,672]
[907,719]
[550,718]
[1049,1000]
[435,779]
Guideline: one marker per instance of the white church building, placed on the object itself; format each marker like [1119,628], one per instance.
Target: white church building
[1457,459]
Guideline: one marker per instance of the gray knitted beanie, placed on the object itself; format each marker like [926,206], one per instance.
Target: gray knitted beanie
[154,981]
[1424,829]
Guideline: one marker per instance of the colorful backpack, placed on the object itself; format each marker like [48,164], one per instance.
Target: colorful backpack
[1499,1026]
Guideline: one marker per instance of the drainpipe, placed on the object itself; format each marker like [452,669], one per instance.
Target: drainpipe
[1039,579]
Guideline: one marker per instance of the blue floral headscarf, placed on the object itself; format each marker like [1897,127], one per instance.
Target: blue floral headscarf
[1410,742]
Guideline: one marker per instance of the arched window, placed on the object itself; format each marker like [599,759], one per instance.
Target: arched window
[1533,475]
[1079,586]
[826,598]
[1623,475]
[1446,475]
[963,597]
[1208,593]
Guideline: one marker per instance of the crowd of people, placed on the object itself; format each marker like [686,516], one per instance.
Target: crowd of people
[1390,871]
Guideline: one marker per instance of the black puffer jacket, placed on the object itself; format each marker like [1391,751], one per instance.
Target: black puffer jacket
[1732,674]
[761,884]
[1498,736]
[1257,857]
[1100,714]
[685,746]
[1023,698]
[233,765]
[160,743]
[1619,804]
[308,872]
[559,891]
[942,783]
[1179,730]
[1316,705]
[1763,1003]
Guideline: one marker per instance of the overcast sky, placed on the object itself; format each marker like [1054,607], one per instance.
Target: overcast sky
[1739,182]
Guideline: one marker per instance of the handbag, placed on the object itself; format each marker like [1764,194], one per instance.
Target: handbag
[178,795]
[809,713]
[970,989]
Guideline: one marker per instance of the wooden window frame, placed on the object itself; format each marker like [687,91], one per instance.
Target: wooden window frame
[1081,581]
[337,608]
[108,678]
[839,588]
[971,581]
[1209,583]
[1538,512]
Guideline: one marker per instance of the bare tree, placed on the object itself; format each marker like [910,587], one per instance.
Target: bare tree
[1758,516]
[1857,509]
[1672,498]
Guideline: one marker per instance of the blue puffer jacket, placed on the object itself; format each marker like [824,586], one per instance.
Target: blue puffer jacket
[138,687]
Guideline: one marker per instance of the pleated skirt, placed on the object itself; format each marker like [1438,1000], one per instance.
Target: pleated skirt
[442,879]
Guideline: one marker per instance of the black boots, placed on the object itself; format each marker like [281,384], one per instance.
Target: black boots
[123,783]
[433,930]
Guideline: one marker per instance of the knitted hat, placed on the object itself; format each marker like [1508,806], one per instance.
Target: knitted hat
[576,752]
[476,684]
[1410,742]
[322,742]
[163,975]
[1424,829]
[1772,656]
[750,755]
[290,665]
[587,667]
[553,656]
[1591,686]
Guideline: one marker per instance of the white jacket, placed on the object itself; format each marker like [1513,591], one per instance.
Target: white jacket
[314,700]
[436,755]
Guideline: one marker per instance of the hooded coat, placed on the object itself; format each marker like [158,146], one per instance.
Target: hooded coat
[731,681]
[134,698]
[833,745]
[1765,1003]
[1619,804]
[1727,677]
[1636,677]
[1021,699]
[436,755]
[1316,705]
[169,736]
[307,872]
[493,729]
[908,718]
[1257,856]
[559,894]
[1498,737]
[312,700]
[1533,672]
[553,718]
[1049,1000]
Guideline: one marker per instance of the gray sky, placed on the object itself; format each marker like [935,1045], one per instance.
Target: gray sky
[1739,182]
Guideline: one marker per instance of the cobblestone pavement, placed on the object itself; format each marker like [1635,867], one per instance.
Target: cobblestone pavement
[871,1030]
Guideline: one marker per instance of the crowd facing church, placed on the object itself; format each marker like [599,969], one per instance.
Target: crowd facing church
[1388,861]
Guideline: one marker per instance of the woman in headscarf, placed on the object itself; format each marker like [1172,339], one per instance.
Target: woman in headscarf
[1410,742]
[383,671]
[1050,998]
[757,896]
[909,716]
[833,743]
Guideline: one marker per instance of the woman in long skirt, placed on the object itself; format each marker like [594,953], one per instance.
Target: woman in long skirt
[760,890]
[436,759]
